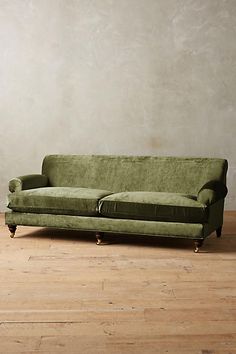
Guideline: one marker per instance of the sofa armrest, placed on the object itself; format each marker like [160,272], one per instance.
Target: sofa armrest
[27,182]
[211,192]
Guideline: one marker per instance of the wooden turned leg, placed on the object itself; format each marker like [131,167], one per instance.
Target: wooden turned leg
[99,237]
[12,229]
[218,231]
[198,244]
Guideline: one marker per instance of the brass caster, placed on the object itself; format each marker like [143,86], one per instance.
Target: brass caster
[12,229]
[198,244]
[99,237]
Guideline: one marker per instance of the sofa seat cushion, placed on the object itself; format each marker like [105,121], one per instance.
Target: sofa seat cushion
[158,206]
[57,200]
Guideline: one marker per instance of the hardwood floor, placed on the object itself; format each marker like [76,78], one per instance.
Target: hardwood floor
[61,293]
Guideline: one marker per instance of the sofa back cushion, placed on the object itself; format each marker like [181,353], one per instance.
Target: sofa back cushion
[133,173]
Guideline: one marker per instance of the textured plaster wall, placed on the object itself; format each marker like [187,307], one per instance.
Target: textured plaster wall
[116,77]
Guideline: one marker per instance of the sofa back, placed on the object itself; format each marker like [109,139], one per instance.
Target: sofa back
[133,173]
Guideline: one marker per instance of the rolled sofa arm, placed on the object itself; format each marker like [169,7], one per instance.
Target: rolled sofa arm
[211,192]
[27,182]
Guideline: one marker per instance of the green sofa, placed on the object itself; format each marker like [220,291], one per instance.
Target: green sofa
[145,195]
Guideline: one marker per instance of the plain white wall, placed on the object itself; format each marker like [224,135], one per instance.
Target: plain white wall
[116,77]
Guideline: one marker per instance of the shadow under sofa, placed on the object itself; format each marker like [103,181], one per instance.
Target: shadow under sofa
[142,195]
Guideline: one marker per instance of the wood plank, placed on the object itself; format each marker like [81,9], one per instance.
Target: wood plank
[59,292]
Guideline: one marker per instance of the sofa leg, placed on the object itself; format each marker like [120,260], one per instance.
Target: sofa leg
[198,244]
[12,229]
[99,237]
[218,231]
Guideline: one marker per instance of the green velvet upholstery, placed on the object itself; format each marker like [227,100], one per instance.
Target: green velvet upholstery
[57,200]
[149,195]
[133,173]
[161,206]
[123,226]
[215,218]
[211,192]
[27,182]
